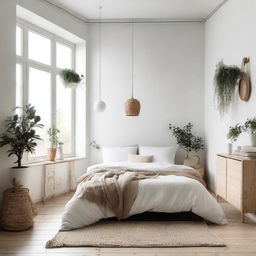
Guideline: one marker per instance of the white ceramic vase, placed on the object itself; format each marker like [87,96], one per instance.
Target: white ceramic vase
[230,148]
[59,155]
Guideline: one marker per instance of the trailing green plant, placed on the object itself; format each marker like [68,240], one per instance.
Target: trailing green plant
[225,81]
[20,134]
[250,125]
[53,137]
[185,139]
[234,132]
[70,76]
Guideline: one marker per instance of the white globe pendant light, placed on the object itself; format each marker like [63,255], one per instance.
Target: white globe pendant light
[99,105]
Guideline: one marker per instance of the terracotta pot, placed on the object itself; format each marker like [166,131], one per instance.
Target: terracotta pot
[51,154]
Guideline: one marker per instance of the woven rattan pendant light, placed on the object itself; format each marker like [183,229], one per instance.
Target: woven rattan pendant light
[132,105]
[100,105]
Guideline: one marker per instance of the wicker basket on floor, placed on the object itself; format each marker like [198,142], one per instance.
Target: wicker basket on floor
[18,210]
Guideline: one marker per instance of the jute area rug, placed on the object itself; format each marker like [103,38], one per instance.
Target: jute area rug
[139,234]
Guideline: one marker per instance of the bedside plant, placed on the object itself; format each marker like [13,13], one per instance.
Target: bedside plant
[185,139]
[234,132]
[70,78]
[225,81]
[54,140]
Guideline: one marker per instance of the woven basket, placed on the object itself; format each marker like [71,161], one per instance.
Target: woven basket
[18,210]
[132,107]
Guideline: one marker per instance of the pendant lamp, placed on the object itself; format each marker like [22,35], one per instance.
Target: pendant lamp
[132,105]
[99,105]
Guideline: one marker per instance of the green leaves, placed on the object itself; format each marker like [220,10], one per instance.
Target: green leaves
[185,139]
[236,130]
[20,133]
[225,81]
[53,136]
[70,76]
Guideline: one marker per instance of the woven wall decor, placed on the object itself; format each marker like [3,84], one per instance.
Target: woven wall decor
[244,82]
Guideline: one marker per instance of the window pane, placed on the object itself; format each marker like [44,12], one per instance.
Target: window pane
[64,115]
[18,40]
[40,97]
[18,85]
[64,53]
[39,48]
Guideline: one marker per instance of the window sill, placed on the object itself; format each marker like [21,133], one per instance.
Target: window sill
[65,160]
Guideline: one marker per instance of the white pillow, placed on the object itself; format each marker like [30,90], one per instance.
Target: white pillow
[160,154]
[117,154]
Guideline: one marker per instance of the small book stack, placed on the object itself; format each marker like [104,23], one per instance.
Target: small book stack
[247,151]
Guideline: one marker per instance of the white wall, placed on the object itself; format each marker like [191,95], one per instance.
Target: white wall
[229,35]
[169,66]
[7,75]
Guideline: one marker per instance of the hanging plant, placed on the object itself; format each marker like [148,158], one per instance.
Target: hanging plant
[225,80]
[70,78]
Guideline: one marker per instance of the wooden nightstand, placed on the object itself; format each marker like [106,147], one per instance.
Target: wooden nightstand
[235,182]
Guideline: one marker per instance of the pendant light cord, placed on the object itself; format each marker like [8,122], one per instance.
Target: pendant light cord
[132,56]
[100,7]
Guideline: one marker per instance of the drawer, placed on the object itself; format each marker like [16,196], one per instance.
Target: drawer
[234,169]
[234,183]
[221,177]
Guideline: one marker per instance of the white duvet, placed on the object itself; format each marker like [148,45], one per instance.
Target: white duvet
[167,194]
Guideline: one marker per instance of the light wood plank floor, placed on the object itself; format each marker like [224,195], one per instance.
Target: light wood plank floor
[240,238]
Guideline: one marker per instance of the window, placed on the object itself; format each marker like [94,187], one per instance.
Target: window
[40,57]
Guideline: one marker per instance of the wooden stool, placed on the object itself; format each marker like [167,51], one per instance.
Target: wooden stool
[18,210]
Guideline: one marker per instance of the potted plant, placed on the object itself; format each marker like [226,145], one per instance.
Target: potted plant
[21,137]
[250,126]
[70,78]
[225,80]
[187,141]
[54,140]
[233,134]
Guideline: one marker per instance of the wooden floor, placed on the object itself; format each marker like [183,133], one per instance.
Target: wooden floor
[240,238]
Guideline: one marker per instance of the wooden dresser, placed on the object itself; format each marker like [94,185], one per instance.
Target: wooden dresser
[236,182]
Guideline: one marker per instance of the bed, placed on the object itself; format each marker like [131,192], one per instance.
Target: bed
[168,194]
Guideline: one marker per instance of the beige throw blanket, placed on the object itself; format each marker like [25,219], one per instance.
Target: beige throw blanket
[116,189]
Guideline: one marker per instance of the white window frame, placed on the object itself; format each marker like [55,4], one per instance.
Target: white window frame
[26,63]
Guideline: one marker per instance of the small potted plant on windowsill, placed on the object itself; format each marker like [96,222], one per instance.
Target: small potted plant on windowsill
[21,137]
[70,78]
[54,140]
[188,142]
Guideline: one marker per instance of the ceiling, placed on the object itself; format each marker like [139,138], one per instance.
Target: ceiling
[180,10]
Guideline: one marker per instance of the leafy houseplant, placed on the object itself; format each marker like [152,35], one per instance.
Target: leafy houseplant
[225,81]
[54,140]
[20,134]
[185,139]
[70,78]
[234,132]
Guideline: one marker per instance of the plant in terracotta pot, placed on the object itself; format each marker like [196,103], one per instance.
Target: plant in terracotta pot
[54,140]
[226,80]
[20,136]
[70,78]
[187,141]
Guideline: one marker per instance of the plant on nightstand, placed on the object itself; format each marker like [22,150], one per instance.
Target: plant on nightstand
[250,126]
[54,140]
[21,137]
[233,134]
[185,139]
